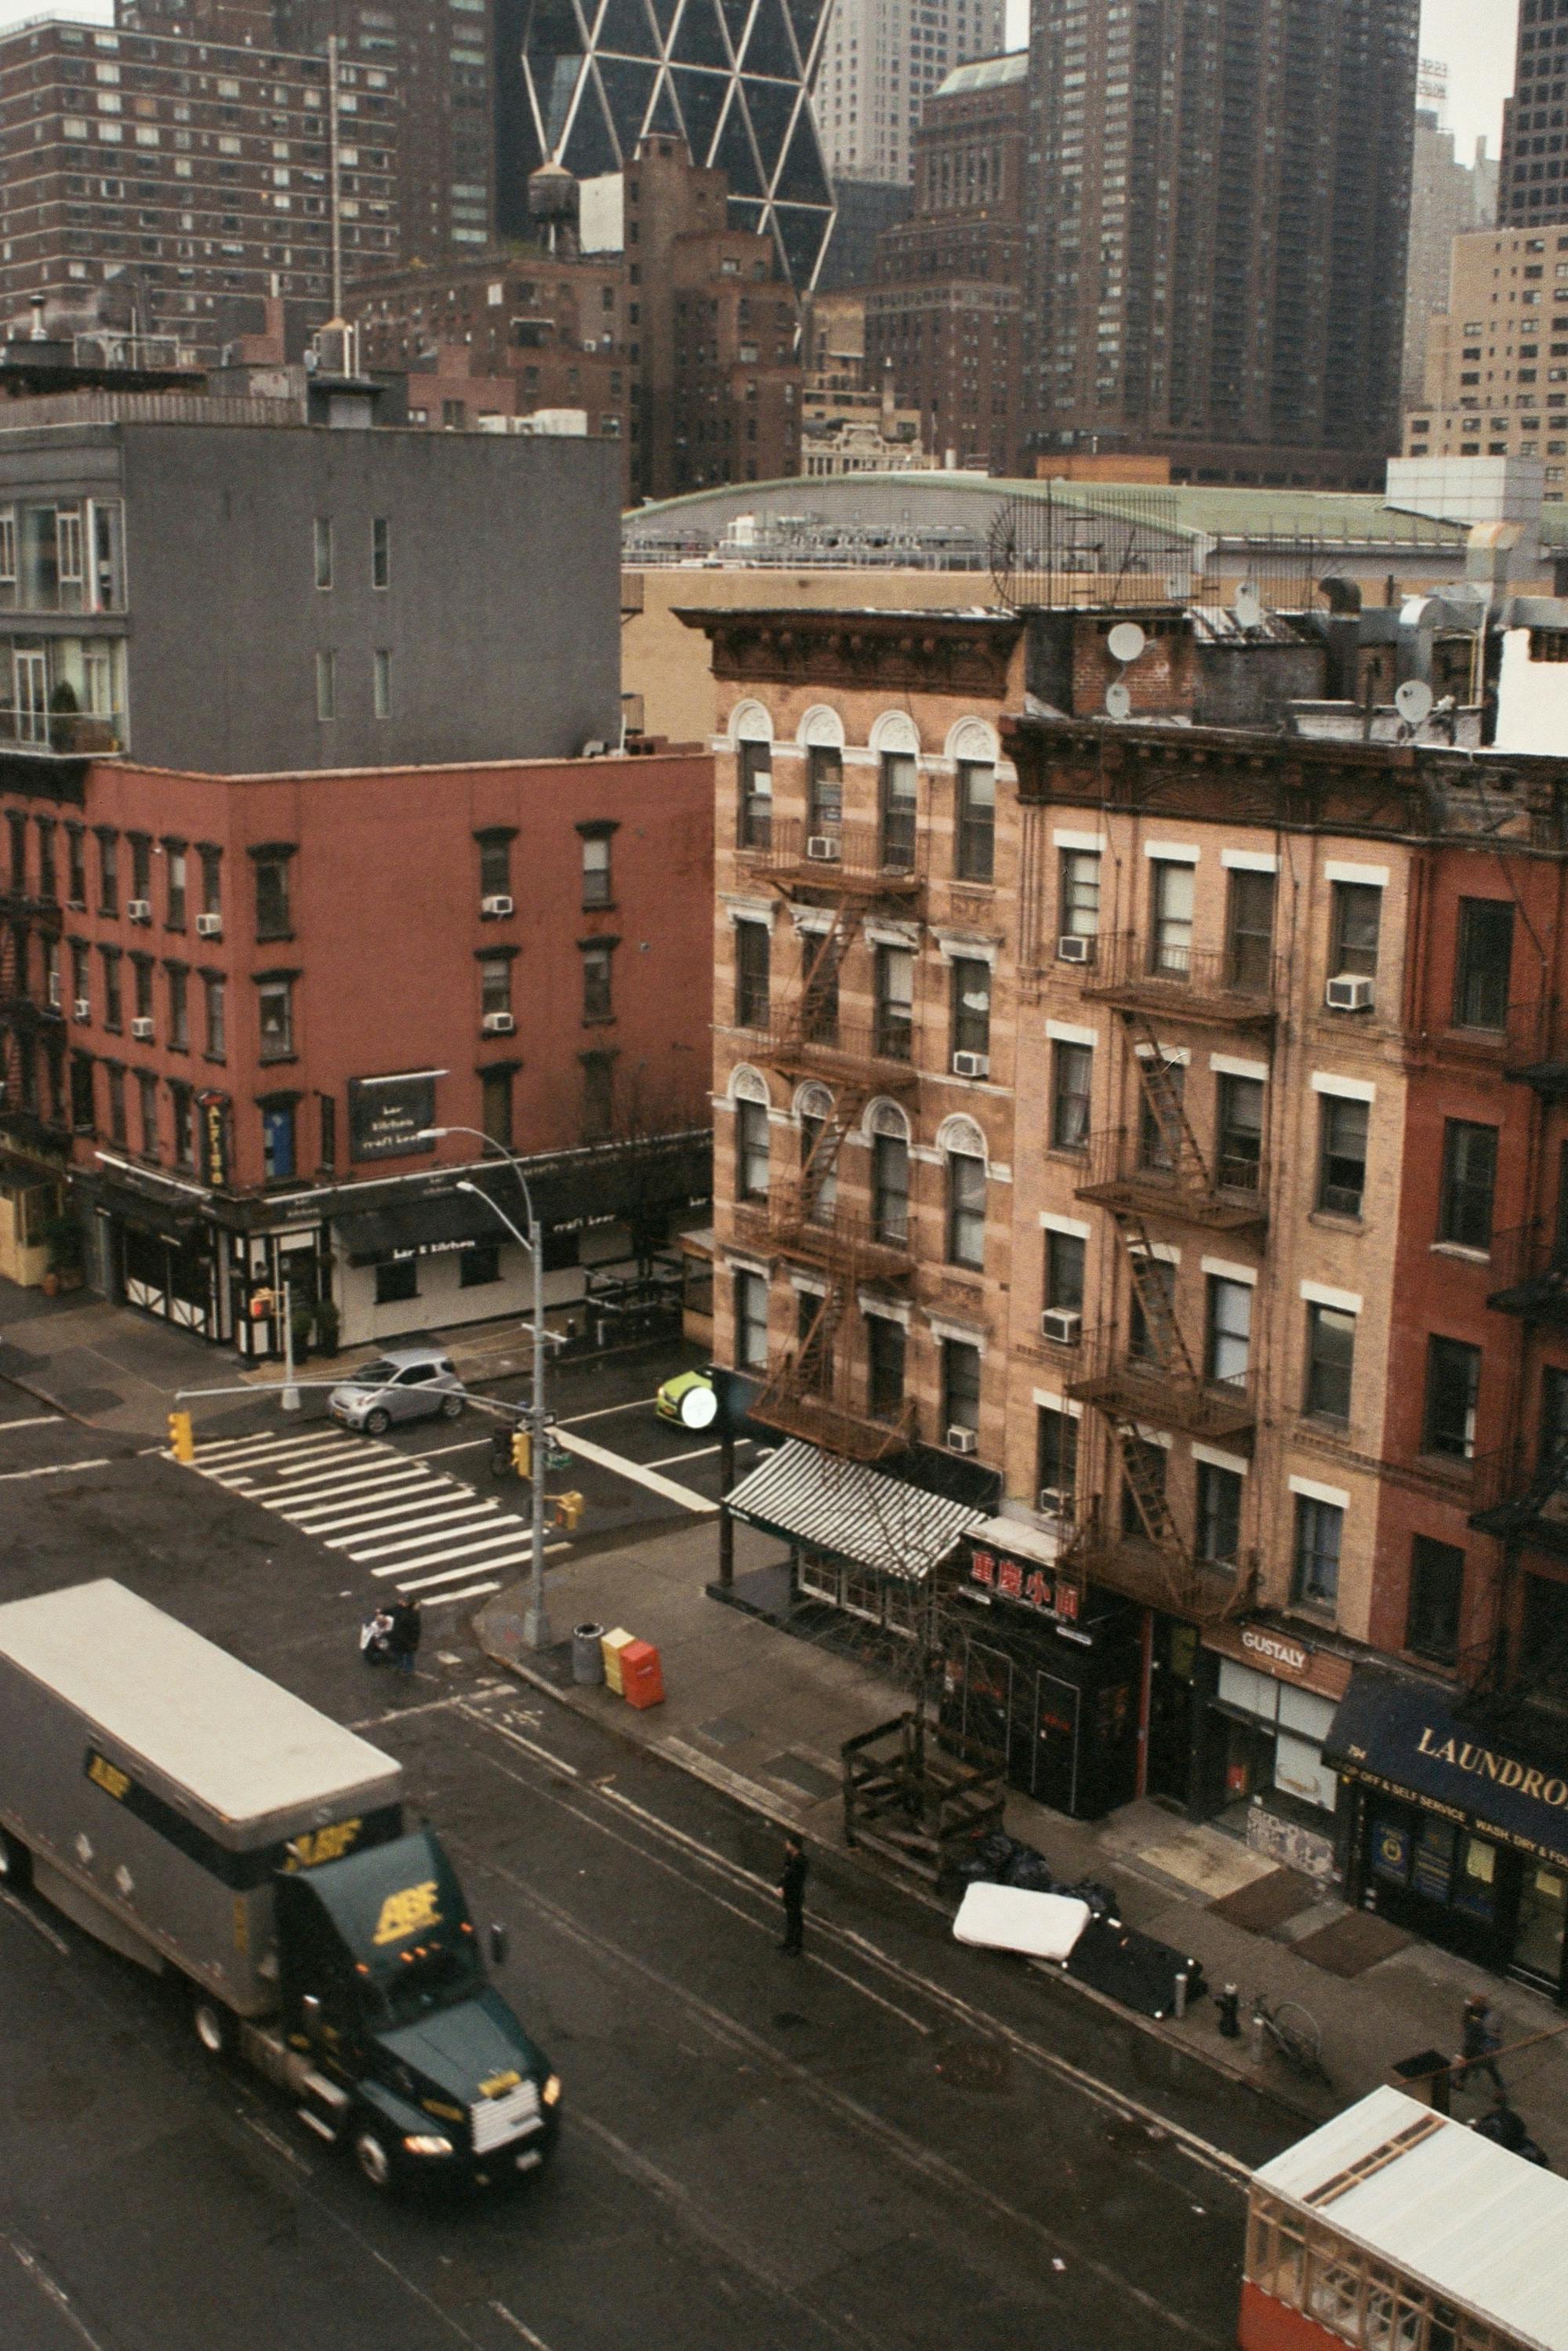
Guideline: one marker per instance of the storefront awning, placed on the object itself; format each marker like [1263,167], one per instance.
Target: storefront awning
[851,1512]
[439,1220]
[1400,1737]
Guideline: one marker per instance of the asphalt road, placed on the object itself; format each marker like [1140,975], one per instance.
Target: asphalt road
[895,2145]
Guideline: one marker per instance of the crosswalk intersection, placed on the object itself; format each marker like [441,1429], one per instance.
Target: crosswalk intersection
[410,1528]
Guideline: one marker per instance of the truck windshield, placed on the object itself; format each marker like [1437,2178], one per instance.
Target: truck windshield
[437,1977]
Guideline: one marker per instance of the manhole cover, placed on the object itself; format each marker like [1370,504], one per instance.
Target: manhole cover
[983,2066]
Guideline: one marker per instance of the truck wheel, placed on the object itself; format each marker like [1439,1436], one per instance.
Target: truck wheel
[377,1422]
[213,2025]
[371,2155]
[16,1863]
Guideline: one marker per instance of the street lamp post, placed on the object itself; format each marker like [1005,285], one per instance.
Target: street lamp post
[536,1620]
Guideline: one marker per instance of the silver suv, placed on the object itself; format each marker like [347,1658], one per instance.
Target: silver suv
[405,1383]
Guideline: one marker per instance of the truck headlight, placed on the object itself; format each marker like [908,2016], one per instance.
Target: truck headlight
[426,2143]
[550,2094]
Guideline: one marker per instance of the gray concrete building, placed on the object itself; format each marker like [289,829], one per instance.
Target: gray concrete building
[1447,197]
[245,597]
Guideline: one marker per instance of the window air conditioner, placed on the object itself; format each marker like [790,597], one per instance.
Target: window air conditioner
[53,991]
[971,1065]
[1075,947]
[499,904]
[1064,1324]
[139,910]
[822,848]
[1055,1502]
[962,1440]
[83,1007]
[1349,993]
[498,1024]
[209,926]
[142,1029]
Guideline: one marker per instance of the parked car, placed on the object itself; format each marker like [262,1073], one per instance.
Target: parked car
[688,1398]
[405,1383]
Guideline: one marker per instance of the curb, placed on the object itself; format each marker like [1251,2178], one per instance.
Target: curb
[747,1793]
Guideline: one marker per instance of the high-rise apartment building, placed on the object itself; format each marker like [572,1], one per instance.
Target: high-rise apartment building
[1497,357]
[881,61]
[1215,233]
[186,174]
[1448,198]
[1533,187]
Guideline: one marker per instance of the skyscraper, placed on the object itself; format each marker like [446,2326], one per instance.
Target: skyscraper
[1535,186]
[1215,230]
[881,61]
[1447,197]
[581,81]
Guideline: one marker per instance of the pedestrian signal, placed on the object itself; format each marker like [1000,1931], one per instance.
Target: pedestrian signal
[262,1303]
[181,1443]
[568,1512]
[523,1453]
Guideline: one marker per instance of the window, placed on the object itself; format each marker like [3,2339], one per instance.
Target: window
[960,1387]
[1080,910]
[818,1169]
[211,873]
[141,865]
[1152,1322]
[1230,1335]
[750,1321]
[824,791]
[496,1116]
[273,917]
[275,998]
[596,878]
[598,1096]
[751,1149]
[1331,1360]
[977,821]
[328,1110]
[598,996]
[495,985]
[1240,1165]
[325,685]
[381,682]
[178,1007]
[83,1115]
[277,1154]
[754,765]
[184,1129]
[478,1265]
[380,552]
[1341,1155]
[1481,963]
[1553,1434]
[886,1344]
[1249,931]
[397,1279]
[323,542]
[1356,921]
[898,811]
[147,1095]
[820,956]
[753,968]
[142,983]
[894,975]
[109,873]
[494,864]
[1453,1383]
[48,887]
[971,1005]
[1319,1528]
[1064,1260]
[1056,1457]
[890,1189]
[1469,1174]
[213,989]
[1436,1592]
[174,871]
[81,976]
[116,1128]
[965,1209]
[1171,901]
[113,1012]
[1072,1073]
[1219,1516]
[76,865]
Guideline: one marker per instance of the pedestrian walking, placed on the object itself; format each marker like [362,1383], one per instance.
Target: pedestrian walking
[1482,2042]
[407,1627]
[792,1893]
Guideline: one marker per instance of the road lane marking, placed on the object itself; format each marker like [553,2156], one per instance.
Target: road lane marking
[469,1548]
[56,1470]
[370,1542]
[50,2289]
[382,1517]
[516,1739]
[473,1591]
[608,1411]
[669,1460]
[687,1497]
[325,1486]
[38,1420]
[303,1509]
[536,2342]
[435,1452]
[456,1575]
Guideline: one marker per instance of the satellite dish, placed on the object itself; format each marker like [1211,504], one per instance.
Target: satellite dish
[1125,642]
[1248,606]
[1118,701]
[1413,701]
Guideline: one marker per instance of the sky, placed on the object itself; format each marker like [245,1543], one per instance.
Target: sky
[1475,38]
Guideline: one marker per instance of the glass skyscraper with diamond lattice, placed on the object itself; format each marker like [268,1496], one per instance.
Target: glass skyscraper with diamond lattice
[583,80]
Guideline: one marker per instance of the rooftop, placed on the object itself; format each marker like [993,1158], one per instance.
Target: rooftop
[985,73]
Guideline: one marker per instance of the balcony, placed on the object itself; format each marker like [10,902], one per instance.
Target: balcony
[1532,1263]
[876,1054]
[793,1403]
[789,1223]
[1518,1503]
[1119,1178]
[61,734]
[1157,1578]
[1209,988]
[866,862]
[1141,1388]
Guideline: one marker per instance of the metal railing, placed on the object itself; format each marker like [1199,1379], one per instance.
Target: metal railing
[1238,985]
[1530,1272]
[1141,1387]
[1119,1172]
[884,1048]
[863,858]
[68,733]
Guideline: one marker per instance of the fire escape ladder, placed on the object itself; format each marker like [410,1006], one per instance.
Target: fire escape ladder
[1147,1491]
[1163,1097]
[1161,1329]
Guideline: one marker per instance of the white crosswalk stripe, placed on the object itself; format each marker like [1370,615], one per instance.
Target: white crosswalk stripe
[403,1524]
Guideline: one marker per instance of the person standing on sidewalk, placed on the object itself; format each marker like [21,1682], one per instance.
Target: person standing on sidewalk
[1480,2043]
[407,1627]
[792,1893]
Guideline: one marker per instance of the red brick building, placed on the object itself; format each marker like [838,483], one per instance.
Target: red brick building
[228,1006]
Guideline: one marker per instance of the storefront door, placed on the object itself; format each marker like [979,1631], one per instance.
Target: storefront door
[1172,1664]
[1054,1776]
[1440,1880]
[1541,1939]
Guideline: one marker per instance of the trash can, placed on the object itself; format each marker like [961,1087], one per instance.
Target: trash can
[1424,2076]
[613,1645]
[642,1675]
[587,1654]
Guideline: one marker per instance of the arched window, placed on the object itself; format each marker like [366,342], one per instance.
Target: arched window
[749,1091]
[963,1150]
[897,746]
[819,1153]
[751,731]
[972,748]
[888,1128]
[823,733]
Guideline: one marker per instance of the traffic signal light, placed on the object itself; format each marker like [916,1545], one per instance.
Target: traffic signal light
[181,1444]
[568,1512]
[262,1303]
[523,1452]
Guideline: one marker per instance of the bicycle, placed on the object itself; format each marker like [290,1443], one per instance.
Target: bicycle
[1295,2035]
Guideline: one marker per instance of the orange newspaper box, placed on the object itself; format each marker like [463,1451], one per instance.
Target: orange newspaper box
[642,1675]
[615,1645]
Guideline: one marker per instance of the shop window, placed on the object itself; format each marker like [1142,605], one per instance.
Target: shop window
[965,1210]
[1072,1075]
[898,798]
[275,1001]
[1469,1176]
[971,1005]
[754,778]
[893,978]
[751,1149]
[1453,1385]
[1055,1458]
[1230,1333]
[886,1346]
[1249,931]
[1162,1089]
[1331,1360]
[1171,889]
[273,920]
[825,790]
[479,1264]
[277,1152]
[1239,1156]
[1080,906]
[890,1189]
[1436,1594]
[960,1387]
[598,994]
[1065,1255]
[1481,963]
[397,1279]
[1219,1515]
[1320,1527]
[977,821]
[753,974]
[1341,1155]
[496,1116]
[751,1322]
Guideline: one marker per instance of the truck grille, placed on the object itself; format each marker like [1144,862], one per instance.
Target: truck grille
[496,2120]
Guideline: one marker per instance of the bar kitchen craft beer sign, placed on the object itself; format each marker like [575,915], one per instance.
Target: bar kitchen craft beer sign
[387,1115]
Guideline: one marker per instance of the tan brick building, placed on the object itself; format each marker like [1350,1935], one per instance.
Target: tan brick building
[1497,359]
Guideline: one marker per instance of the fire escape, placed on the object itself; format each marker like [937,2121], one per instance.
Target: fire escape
[833,881]
[28,1019]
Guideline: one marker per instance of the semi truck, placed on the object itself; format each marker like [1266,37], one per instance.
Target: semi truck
[200,1820]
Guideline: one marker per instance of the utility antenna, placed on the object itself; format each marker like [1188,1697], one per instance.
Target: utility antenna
[336,186]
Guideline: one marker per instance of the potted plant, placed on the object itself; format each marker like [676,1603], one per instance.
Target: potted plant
[326,1327]
[64,710]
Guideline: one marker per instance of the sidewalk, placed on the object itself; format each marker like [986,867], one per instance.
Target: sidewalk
[762,1714]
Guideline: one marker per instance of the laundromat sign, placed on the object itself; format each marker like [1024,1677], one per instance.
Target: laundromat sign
[1022,1580]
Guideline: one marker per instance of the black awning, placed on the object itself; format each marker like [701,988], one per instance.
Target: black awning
[1400,1736]
[438,1220]
[584,1189]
